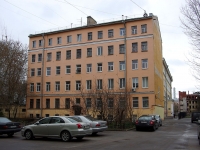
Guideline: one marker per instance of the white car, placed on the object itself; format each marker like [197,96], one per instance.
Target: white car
[57,126]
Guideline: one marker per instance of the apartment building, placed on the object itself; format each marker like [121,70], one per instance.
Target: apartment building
[167,81]
[193,102]
[69,69]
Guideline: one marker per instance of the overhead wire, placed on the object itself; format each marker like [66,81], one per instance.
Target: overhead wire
[137,5]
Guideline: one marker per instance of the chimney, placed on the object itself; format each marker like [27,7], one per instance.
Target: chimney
[91,21]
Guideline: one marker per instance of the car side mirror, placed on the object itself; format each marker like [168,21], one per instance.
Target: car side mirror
[37,123]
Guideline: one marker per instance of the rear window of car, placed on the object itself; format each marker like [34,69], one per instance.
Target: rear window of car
[4,120]
[71,120]
[90,118]
[145,118]
[75,118]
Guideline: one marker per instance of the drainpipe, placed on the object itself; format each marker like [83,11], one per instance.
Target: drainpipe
[42,77]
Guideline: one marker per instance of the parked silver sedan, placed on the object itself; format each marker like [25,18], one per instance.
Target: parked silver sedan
[57,126]
[96,125]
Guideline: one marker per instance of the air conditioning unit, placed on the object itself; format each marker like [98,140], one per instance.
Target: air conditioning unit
[133,89]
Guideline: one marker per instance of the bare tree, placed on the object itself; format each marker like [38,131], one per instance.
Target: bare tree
[191,24]
[13,69]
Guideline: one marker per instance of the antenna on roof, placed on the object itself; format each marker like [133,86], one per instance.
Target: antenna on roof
[145,14]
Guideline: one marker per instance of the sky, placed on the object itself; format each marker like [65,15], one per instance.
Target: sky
[19,18]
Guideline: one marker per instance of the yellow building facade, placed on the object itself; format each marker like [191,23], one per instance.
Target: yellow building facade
[123,56]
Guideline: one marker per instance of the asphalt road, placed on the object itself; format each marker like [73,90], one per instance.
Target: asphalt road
[173,135]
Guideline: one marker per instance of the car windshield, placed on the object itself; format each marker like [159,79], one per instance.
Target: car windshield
[145,118]
[90,118]
[4,120]
[71,120]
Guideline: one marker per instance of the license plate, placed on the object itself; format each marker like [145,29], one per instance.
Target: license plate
[143,122]
[86,127]
[12,126]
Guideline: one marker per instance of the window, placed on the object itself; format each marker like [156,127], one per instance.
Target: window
[37,103]
[144,63]
[144,46]
[78,85]
[78,53]
[88,102]
[32,72]
[78,69]
[68,54]
[135,82]
[39,57]
[33,58]
[100,34]
[122,83]
[88,84]
[122,31]
[23,110]
[99,67]
[99,84]
[40,43]
[134,47]
[57,70]
[110,83]
[57,103]
[34,44]
[144,28]
[67,84]
[50,41]
[135,102]
[31,115]
[69,39]
[110,102]
[145,82]
[134,64]
[134,29]
[110,33]
[68,69]
[89,67]
[58,55]
[57,85]
[99,50]
[59,40]
[49,56]
[46,115]
[110,50]
[48,86]
[78,100]
[89,52]
[67,103]
[99,103]
[38,87]
[145,102]
[47,103]
[32,87]
[48,71]
[110,66]
[122,103]
[39,72]
[31,103]
[121,49]
[89,36]
[122,65]
[79,37]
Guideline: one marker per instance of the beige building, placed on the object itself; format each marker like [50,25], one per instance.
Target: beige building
[15,112]
[73,67]
[167,81]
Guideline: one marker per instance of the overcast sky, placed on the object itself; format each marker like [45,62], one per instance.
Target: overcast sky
[23,17]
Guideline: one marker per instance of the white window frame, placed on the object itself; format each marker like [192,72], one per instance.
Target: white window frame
[110,66]
[32,72]
[49,55]
[38,87]
[135,99]
[122,83]
[111,50]
[99,50]
[100,34]
[78,68]
[59,40]
[67,54]
[89,68]
[79,37]
[121,48]
[135,64]
[144,82]
[88,102]
[134,29]
[99,84]
[135,83]
[48,71]
[68,69]
[58,55]
[58,69]
[69,39]
[122,65]
[39,71]
[33,58]
[50,41]
[40,43]
[110,83]
[145,102]
[32,87]
[144,28]
[67,85]
[48,86]
[89,52]
[144,63]
[135,47]
[99,67]
[39,57]
[122,31]
[144,46]
[78,85]
[34,44]
[88,84]
[110,33]
[57,86]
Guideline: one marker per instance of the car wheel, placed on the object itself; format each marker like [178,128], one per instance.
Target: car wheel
[65,136]
[10,134]
[94,133]
[79,138]
[137,129]
[199,141]
[28,135]
[153,128]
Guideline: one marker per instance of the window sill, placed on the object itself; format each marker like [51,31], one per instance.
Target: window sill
[145,87]
[135,69]
[144,68]
[144,51]
[134,51]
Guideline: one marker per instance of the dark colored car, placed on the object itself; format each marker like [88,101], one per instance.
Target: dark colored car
[146,121]
[195,116]
[8,127]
